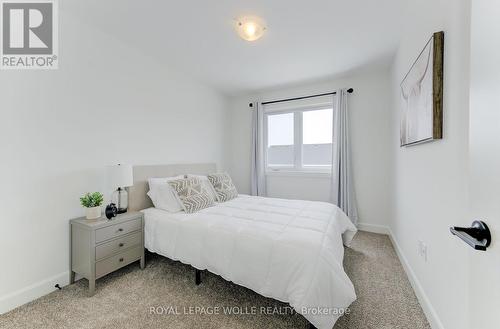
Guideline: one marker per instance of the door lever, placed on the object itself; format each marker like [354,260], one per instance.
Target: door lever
[477,236]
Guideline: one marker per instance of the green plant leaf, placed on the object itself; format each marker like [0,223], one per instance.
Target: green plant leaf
[90,200]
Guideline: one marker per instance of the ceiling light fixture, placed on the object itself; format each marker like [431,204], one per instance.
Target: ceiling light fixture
[250,28]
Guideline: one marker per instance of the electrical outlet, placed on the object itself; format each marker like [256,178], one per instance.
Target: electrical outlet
[422,250]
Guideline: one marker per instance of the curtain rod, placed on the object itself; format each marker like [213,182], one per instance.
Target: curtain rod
[350,91]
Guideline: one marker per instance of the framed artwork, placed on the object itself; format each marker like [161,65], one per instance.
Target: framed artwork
[422,95]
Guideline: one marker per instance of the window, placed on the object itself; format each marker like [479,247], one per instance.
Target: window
[317,138]
[299,139]
[280,140]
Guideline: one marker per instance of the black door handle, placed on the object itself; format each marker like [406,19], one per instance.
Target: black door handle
[477,236]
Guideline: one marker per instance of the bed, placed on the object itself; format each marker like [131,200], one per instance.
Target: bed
[289,250]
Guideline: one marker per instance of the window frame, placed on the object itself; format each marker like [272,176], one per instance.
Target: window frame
[297,167]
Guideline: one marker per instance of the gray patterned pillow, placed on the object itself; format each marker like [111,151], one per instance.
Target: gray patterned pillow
[193,195]
[223,186]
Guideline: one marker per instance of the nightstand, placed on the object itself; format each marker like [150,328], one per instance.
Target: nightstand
[101,246]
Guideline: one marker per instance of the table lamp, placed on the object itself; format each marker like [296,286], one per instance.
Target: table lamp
[120,177]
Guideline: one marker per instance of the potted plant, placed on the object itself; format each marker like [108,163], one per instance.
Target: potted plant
[93,202]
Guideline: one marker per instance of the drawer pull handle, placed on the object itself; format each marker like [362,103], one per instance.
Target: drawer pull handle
[121,259]
[120,230]
[121,244]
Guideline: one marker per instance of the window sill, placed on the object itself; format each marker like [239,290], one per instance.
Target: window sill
[295,173]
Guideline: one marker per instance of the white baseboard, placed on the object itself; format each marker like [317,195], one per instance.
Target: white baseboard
[32,292]
[429,310]
[373,228]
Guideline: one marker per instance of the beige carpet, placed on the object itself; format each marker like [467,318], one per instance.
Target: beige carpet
[123,299]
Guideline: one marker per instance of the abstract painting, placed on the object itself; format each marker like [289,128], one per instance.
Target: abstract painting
[422,95]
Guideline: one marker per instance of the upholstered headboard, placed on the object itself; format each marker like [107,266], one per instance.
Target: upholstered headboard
[138,199]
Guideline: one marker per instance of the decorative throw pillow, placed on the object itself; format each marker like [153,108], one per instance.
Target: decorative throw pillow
[192,194]
[223,186]
[206,183]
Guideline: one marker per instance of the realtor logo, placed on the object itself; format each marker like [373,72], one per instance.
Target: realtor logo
[29,34]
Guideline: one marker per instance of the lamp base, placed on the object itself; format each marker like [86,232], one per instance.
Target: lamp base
[120,199]
[121,210]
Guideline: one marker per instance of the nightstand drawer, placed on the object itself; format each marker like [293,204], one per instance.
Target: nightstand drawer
[117,230]
[113,263]
[107,249]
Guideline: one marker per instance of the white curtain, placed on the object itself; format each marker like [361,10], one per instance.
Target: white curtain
[342,188]
[258,170]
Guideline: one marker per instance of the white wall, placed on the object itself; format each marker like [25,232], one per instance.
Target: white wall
[369,109]
[106,104]
[431,179]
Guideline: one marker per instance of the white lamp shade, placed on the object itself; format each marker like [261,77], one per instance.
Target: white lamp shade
[120,176]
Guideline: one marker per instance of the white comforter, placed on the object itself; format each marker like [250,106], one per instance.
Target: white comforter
[289,250]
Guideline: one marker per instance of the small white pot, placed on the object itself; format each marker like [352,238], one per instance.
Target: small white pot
[94,212]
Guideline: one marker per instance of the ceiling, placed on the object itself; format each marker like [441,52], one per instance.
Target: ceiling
[305,40]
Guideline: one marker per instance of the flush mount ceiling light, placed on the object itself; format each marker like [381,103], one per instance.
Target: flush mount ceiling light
[250,28]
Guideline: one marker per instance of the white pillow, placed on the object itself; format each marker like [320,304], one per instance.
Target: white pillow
[162,180]
[162,194]
[208,186]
